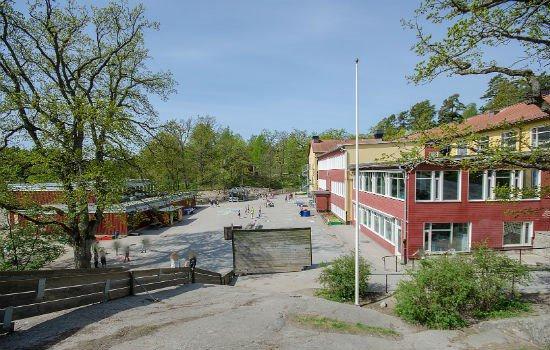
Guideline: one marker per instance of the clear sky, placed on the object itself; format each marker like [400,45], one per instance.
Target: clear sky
[278,64]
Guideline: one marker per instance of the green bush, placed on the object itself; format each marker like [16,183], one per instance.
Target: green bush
[448,291]
[338,279]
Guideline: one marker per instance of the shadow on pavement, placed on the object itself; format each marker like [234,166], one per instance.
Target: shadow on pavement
[55,330]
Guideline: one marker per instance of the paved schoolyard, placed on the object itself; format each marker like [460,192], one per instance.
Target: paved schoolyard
[202,233]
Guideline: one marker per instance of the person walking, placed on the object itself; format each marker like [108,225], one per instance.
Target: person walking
[260,212]
[103,258]
[127,253]
[239,213]
[252,213]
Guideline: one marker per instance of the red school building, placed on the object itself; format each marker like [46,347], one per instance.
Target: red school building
[433,209]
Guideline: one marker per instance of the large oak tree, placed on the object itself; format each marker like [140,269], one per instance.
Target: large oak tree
[75,83]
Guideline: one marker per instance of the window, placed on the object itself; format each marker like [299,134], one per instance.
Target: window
[540,137]
[335,162]
[530,183]
[482,143]
[517,233]
[386,183]
[380,183]
[383,225]
[461,150]
[441,237]
[450,185]
[508,140]
[475,185]
[322,184]
[336,210]
[437,185]
[337,188]
[423,185]
[368,184]
[504,184]
[397,185]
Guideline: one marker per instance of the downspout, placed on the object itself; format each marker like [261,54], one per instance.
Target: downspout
[404,241]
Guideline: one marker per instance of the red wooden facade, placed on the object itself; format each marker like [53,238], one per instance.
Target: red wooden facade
[112,222]
[486,218]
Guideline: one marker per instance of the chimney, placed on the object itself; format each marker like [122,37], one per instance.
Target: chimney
[379,134]
[315,139]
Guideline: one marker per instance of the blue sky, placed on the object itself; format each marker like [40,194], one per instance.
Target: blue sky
[274,64]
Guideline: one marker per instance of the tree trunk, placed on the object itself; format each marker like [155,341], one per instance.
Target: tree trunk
[83,253]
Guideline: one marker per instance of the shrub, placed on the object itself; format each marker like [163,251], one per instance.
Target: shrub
[338,279]
[29,247]
[449,290]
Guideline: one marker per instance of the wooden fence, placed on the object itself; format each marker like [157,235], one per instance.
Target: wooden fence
[27,294]
[271,250]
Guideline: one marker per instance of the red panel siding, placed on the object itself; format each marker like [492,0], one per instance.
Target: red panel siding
[390,206]
[338,201]
[486,217]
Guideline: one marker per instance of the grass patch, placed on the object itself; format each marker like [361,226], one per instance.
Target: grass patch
[336,326]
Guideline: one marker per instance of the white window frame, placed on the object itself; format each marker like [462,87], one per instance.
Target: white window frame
[508,135]
[367,221]
[436,189]
[339,212]
[535,136]
[338,188]
[322,184]
[529,231]
[516,182]
[364,180]
[424,232]
[461,150]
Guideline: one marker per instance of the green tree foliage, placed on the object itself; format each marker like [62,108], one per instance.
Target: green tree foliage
[338,279]
[503,92]
[449,290]
[421,116]
[469,111]
[391,126]
[75,84]
[472,27]
[29,246]
[336,134]
[451,110]
[199,154]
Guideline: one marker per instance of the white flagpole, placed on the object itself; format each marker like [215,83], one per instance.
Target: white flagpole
[356,181]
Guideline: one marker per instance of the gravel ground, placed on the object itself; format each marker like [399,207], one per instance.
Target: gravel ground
[225,317]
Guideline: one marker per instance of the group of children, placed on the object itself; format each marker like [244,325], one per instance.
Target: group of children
[250,210]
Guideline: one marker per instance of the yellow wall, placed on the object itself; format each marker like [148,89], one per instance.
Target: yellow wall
[377,153]
[524,130]
[312,170]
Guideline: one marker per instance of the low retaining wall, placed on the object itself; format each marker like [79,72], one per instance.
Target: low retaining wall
[27,294]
